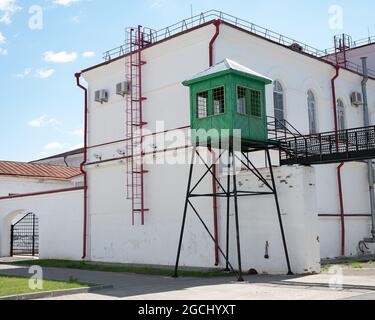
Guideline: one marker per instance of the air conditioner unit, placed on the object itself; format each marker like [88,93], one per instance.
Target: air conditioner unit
[101,96]
[356,99]
[123,88]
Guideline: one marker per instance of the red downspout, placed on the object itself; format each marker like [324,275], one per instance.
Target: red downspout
[78,75]
[339,178]
[214,185]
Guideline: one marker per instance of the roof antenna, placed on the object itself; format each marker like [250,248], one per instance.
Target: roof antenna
[191,11]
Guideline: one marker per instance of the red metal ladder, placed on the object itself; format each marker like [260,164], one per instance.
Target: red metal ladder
[136,40]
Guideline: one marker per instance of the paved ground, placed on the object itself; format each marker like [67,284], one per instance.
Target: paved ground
[358,284]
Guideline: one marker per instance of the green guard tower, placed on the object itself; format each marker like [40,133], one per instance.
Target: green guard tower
[227,103]
[229,97]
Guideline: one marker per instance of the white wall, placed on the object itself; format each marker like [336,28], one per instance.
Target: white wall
[60,223]
[114,239]
[23,185]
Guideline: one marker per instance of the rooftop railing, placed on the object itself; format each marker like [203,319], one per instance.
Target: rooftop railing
[156,36]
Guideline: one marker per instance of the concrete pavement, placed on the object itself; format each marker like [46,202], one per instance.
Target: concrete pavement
[358,284]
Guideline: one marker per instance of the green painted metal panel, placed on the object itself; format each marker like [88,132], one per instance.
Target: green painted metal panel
[253,127]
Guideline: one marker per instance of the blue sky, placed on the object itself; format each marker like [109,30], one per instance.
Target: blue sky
[40,106]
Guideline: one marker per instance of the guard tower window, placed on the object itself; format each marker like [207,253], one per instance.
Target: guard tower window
[255,103]
[202,105]
[340,115]
[241,100]
[219,101]
[278,97]
[311,104]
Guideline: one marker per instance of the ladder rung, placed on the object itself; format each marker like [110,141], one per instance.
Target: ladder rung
[140,210]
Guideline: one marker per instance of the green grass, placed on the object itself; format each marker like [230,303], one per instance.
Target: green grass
[80,265]
[10,286]
[350,263]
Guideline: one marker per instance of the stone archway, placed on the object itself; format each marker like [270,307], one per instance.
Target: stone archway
[5,228]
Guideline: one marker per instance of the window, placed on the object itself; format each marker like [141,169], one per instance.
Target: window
[219,101]
[278,97]
[255,103]
[241,100]
[340,115]
[202,105]
[311,104]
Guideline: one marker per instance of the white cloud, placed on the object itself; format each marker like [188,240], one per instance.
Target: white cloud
[2,41]
[23,74]
[7,9]
[2,38]
[65,3]
[78,133]
[44,73]
[88,54]
[43,121]
[54,146]
[156,4]
[60,57]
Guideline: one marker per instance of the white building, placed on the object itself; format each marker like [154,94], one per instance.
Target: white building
[309,196]
[53,194]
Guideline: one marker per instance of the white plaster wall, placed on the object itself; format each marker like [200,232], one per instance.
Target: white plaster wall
[60,223]
[114,239]
[23,185]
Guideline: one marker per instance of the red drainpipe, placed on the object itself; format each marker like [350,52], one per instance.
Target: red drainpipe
[214,185]
[339,168]
[78,75]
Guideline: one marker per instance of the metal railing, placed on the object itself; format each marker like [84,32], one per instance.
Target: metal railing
[211,15]
[341,145]
[156,36]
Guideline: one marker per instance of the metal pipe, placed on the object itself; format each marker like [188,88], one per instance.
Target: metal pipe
[82,167]
[366,120]
[214,168]
[339,177]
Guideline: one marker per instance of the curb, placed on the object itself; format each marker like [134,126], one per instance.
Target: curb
[54,294]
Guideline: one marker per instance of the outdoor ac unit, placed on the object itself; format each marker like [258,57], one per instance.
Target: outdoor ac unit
[101,96]
[356,98]
[123,88]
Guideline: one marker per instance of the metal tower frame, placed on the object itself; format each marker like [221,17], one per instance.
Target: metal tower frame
[230,192]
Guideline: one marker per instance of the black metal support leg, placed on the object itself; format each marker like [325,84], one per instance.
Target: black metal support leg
[11,240]
[185,213]
[235,195]
[228,212]
[279,213]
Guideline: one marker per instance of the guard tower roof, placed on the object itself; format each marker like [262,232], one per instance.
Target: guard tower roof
[224,66]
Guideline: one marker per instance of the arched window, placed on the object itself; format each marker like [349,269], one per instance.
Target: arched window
[278,98]
[340,115]
[311,104]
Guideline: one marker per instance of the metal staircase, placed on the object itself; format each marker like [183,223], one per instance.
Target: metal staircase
[137,39]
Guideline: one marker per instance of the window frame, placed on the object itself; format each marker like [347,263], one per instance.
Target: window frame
[213,101]
[282,93]
[207,104]
[248,111]
[342,107]
[312,129]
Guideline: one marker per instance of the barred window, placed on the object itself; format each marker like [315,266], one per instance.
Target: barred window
[311,104]
[241,100]
[255,103]
[202,105]
[340,115]
[219,101]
